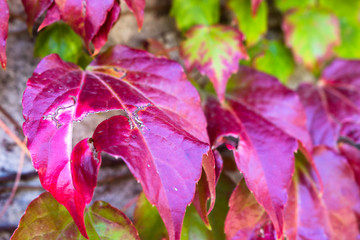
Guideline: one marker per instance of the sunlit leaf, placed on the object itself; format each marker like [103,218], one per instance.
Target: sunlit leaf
[195,12]
[312,35]
[253,26]
[285,5]
[276,60]
[215,51]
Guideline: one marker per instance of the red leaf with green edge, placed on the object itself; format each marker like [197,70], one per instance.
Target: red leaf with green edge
[4,21]
[162,112]
[45,218]
[137,7]
[254,6]
[311,34]
[261,112]
[246,218]
[333,101]
[305,212]
[215,51]
[341,193]
[34,9]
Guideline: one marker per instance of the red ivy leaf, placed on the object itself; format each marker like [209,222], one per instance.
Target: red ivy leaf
[4,21]
[247,219]
[162,138]
[267,118]
[341,193]
[34,9]
[137,7]
[335,100]
[91,19]
[215,51]
[305,212]
[52,15]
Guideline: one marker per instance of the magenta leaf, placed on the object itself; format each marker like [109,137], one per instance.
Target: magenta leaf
[161,134]
[268,121]
[341,193]
[215,51]
[335,100]
[305,212]
[34,9]
[137,7]
[4,21]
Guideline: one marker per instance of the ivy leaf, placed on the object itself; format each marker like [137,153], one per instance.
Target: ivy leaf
[148,221]
[332,102]
[253,26]
[285,5]
[91,19]
[255,6]
[34,9]
[61,39]
[197,12]
[305,213]
[276,60]
[4,21]
[137,7]
[45,218]
[258,112]
[215,51]
[158,116]
[246,218]
[341,193]
[311,34]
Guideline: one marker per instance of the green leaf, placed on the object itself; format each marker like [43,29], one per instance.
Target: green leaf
[350,36]
[148,221]
[348,9]
[253,27]
[215,51]
[46,219]
[276,60]
[285,5]
[347,12]
[194,227]
[61,39]
[195,12]
[311,34]
[224,189]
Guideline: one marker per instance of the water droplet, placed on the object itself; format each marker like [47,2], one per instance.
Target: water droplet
[137,181]
[157,171]
[148,165]
[175,189]
[152,205]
